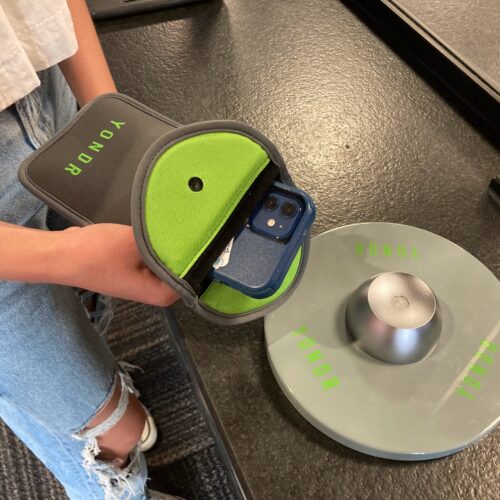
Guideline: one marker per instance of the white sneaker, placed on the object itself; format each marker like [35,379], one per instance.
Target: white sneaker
[149,434]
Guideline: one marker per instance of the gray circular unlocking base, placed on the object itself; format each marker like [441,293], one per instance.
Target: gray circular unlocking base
[425,409]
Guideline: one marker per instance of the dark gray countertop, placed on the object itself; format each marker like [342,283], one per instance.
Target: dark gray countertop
[372,141]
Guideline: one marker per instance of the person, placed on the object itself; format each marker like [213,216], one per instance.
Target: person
[61,390]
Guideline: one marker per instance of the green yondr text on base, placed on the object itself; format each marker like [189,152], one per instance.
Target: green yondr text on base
[314,356]
[376,249]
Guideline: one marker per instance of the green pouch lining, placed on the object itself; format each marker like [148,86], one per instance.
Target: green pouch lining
[227,300]
[181,223]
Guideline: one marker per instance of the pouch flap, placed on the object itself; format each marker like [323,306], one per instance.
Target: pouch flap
[194,192]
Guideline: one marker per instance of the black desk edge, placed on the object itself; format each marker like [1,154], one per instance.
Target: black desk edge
[236,477]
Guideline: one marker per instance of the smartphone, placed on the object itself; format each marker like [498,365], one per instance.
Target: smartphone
[257,259]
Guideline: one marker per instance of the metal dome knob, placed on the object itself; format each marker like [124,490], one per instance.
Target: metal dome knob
[394,317]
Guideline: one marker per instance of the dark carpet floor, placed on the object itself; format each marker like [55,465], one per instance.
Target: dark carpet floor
[185,462]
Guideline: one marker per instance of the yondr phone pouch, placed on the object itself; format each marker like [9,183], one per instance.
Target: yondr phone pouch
[186,190]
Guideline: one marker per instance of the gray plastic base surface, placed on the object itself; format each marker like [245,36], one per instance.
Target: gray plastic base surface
[417,411]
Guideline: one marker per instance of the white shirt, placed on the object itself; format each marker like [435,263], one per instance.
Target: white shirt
[34,35]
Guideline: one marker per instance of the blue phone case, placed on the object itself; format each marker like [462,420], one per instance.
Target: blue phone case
[258,264]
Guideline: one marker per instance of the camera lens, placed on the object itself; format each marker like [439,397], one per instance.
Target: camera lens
[289,209]
[271,203]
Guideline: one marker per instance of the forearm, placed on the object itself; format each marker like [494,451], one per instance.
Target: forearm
[32,255]
[87,72]
[100,257]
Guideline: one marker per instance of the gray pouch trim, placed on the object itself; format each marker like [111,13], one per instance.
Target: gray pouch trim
[142,239]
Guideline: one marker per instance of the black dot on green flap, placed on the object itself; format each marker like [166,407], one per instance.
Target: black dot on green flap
[195,184]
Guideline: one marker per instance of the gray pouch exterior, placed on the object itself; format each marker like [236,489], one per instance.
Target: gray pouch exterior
[86,171]
[94,170]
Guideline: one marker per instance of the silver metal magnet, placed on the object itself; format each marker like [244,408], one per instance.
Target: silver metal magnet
[394,317]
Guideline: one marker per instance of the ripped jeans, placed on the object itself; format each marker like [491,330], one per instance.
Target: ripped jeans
[56,372]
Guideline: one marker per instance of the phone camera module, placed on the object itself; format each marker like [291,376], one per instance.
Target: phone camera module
[271,203]
[289,209]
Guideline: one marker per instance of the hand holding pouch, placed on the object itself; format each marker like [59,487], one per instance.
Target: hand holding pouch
[186,190]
